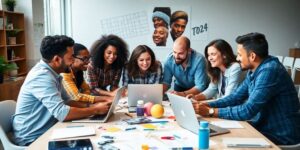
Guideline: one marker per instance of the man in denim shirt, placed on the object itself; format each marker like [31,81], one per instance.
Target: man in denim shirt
[188,67]
[42,99]
[267,98]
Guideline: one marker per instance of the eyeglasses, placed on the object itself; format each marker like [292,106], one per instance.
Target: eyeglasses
[84,59]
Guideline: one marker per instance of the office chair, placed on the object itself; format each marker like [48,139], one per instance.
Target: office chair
[7,108]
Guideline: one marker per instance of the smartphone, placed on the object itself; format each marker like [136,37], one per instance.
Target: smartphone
[78,144]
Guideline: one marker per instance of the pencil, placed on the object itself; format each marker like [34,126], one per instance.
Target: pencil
[129,115]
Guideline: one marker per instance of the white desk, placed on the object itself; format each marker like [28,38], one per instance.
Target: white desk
[248,131]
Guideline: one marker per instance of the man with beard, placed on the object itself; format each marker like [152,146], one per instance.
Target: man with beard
[42,100]
[187,66]
[160,36]
[267,98]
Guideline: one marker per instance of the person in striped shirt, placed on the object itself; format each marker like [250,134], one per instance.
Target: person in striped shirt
[73,80]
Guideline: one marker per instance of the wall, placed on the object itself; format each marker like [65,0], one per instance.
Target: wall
[279,20]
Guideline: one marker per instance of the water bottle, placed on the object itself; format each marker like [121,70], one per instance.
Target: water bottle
[140,108]
[203,135]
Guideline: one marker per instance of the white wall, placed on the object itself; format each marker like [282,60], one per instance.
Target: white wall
[279,20]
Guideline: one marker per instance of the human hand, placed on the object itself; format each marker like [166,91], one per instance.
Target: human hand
[101,107]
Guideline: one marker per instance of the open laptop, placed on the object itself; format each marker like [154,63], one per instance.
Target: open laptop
[103,118]
[186,117]
[147,92]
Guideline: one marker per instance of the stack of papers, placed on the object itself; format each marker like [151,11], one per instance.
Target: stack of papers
[246,142]
[72,132]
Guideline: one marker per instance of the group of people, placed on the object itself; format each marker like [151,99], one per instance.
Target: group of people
[162,20]
[72,82]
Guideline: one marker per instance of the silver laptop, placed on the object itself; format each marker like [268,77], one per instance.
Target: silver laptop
[103,118]
[147,92]
[186,117]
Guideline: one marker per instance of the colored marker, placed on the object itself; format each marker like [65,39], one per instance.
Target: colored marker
[167,137]
[149,129]
[176,136]
[158,122]
[133,128]
[129,115]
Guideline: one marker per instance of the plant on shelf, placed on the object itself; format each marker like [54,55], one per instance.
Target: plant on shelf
[12,34]
[5,66]
[10,4]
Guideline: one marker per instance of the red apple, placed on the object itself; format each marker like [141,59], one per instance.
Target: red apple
[147,108]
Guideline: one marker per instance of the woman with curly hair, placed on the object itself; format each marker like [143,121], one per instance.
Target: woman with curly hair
[109,55]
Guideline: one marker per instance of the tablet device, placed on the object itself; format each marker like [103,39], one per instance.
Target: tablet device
[78,144]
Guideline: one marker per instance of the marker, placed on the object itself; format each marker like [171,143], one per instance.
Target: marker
[176,136]
[149,129]
[167,137]
[75,126]
[133,128]
[129,115]
[159,121]
[107,137]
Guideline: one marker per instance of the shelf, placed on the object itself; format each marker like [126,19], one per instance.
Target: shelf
[20,30]
[16,45]
[18,59]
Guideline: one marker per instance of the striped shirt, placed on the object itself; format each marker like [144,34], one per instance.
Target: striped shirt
[272,103]
[82,94]
[148,78]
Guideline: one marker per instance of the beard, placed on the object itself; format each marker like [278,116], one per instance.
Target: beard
[64,68]
[180,61]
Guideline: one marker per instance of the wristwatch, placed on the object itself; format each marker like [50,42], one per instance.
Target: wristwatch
[211,112]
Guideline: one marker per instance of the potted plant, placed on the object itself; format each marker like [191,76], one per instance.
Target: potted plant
[10,4]
[11,35]
[5,66]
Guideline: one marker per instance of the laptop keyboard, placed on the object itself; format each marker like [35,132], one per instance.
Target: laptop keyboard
[98,117]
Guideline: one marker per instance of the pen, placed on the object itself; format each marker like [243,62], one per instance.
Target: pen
[75,126]
[247,145]
[158,122]
[133,128]
[149,129]
[167,137]
[129,115]
[176,136]
[107,137]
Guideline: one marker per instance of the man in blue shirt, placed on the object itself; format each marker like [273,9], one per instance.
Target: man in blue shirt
[187,66]
[267,98]
[42,99]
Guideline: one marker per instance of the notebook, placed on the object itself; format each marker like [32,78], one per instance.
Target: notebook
[63,133]
[103,118]
[186,117]
[147,92]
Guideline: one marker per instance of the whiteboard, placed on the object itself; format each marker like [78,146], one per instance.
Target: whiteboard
[279,20]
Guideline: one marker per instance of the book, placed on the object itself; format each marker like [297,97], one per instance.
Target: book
[1,23]
[246,142]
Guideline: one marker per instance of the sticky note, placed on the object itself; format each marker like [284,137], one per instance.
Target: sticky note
[149,126]
[113,129]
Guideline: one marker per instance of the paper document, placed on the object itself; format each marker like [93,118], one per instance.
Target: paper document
[246,142]
[72,132]
[227,124]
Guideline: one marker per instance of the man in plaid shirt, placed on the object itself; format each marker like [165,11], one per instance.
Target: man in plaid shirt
[267,98]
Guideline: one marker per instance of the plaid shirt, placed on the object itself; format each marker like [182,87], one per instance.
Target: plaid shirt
[149,78]
[82,94]
[272,103]
[98,78]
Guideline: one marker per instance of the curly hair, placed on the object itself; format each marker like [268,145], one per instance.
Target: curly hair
[225,49]
[99,46]
[132,66]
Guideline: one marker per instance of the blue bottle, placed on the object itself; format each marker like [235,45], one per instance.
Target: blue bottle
[203,135]
[140,108]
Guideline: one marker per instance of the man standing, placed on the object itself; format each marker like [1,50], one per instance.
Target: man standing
[42,99]
[267,97]
[187,66]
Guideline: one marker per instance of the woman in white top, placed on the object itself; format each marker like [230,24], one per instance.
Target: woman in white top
[225,73]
